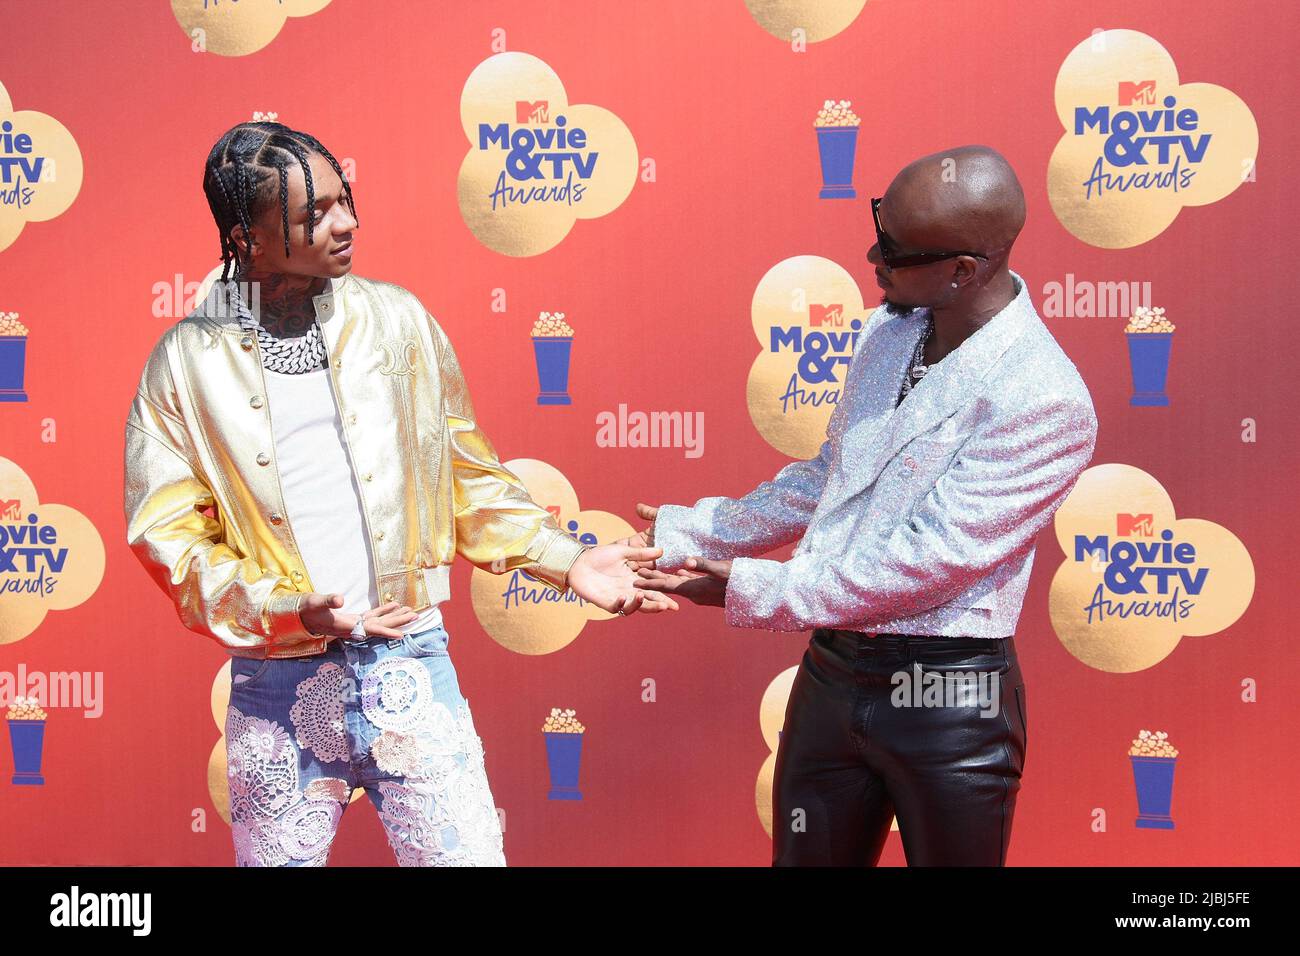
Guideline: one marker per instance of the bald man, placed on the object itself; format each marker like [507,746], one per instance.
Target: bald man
[960,429]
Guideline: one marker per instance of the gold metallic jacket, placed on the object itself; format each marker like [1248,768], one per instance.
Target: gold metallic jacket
[199,433]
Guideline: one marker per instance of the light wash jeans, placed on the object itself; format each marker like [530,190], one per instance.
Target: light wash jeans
[387,715]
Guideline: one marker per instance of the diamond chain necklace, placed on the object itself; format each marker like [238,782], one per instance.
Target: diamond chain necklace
[290,356]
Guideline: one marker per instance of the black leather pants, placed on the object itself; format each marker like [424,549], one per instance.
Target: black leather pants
[852,756]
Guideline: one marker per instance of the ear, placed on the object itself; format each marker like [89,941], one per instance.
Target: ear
[248,250]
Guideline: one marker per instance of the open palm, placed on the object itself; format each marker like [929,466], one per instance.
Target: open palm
[605,576]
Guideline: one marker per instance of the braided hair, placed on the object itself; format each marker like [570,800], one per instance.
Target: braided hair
[237,180]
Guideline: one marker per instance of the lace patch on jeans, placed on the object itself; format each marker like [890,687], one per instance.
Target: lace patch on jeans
[317,715]
[272,822]
[397,694]
[440,812]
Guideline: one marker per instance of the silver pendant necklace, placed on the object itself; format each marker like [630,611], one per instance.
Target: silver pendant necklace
[917,368]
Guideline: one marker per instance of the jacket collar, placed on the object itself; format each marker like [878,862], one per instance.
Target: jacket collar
[224,304]
[944,390]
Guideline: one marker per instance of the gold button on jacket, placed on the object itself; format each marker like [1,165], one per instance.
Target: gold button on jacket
[434,480]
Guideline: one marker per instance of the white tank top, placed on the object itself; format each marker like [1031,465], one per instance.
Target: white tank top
[321,494]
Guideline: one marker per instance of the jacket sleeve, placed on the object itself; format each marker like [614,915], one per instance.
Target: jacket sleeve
[499,527]
[773,514]
[1001,490]
[216,591]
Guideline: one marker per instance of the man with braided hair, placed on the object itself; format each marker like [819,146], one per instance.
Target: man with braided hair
[325,421]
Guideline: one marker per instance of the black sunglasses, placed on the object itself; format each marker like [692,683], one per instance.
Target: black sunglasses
[912,259]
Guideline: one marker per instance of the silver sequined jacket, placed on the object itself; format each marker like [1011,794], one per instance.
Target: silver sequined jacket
[919,518]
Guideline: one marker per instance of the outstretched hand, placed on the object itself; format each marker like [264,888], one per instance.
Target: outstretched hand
[702,581]
[606,576]
[642,539]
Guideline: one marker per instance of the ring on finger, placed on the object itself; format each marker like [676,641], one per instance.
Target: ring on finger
[359,628]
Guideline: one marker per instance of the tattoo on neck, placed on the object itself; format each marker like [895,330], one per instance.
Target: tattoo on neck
[287,312]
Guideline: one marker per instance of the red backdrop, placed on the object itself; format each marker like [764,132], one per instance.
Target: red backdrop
[660,290]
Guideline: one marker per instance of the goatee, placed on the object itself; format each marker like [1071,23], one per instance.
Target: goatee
[894,308]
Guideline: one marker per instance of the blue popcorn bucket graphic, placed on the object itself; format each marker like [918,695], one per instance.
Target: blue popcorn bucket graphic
[564,758]
[1148,359]
[13,363]
[837,145]
[1154,779]
[552,356]
[26,740]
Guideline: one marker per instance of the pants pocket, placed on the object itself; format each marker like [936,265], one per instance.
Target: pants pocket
[1024,724]
[246,671]
[430,643]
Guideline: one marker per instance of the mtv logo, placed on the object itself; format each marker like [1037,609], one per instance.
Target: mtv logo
[819,315]
[1139,93]
[11,509]
[526,112]
[1128,526]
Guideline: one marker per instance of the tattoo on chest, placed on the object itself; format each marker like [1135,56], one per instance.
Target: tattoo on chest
[288,320]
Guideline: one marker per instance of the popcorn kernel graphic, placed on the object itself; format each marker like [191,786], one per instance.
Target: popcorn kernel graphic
[836,113]
[1146,319]
[26,722]
[563,732]
[1152,759]
[25,708]
[551,325]
[563,722]
[1148,744]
